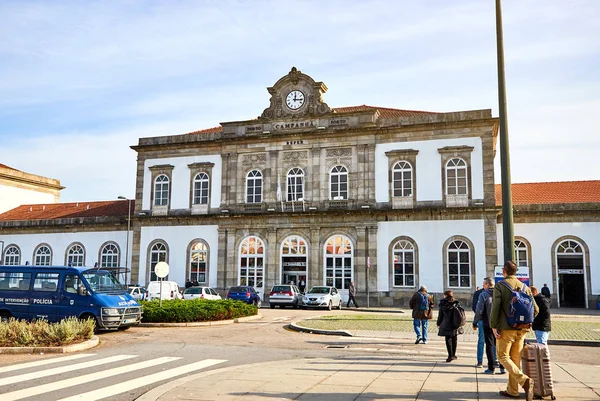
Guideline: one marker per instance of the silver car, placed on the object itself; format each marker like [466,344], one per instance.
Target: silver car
[285,295]
[323,297]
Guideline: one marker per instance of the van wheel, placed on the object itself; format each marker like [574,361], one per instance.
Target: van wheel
[96,325]
[5,316]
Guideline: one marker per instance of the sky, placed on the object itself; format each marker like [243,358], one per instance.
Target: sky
[82,81]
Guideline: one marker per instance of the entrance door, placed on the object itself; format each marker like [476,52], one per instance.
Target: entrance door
[251,264]
[571,275]
[294,261]
[339,270]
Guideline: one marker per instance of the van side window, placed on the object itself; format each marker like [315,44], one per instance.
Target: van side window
[46,282]
[15,281]
[72,283]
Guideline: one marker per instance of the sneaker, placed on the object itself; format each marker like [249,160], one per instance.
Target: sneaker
[479,365]
[528,387]
[488,372]
[418,340]
[454,357]
[424,342]
[502,371]
[449,359]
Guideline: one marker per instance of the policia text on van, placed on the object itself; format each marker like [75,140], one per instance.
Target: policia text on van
[56,292]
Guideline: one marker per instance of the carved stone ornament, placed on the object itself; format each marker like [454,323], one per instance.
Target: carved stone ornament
[296,80]
[342,152]
[287,156]
[254,158]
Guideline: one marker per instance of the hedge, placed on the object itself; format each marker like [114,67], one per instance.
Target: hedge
[40,333]
[194,310]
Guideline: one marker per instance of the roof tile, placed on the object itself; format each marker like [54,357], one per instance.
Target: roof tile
[537,193]
[67,210]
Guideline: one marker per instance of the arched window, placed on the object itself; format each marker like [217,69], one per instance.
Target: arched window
[198,260]
[12,256]
[456,177]
[402,176]
[75,256]
[521,254]
[295,185]
[338,262]
[254,187]
[251,264]
[42,256]
[161,190]
[158,253]
[404,264]
[109,255]
[459,265]
[338,183]
[570,247]
[201,189]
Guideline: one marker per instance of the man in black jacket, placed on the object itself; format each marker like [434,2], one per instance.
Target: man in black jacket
[479,328]
[541,324]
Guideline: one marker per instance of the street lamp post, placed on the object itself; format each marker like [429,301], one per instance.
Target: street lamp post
[127,241]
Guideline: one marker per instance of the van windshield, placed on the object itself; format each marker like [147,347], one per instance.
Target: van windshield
[100,281]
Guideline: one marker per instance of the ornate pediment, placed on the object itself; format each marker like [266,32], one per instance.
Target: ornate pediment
[296,95]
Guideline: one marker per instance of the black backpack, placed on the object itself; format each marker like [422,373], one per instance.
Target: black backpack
[458,317]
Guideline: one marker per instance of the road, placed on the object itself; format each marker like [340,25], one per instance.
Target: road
[127,364]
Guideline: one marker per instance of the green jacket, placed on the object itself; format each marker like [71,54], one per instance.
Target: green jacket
[501,300]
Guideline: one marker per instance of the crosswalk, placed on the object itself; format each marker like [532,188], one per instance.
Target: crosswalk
[117,366]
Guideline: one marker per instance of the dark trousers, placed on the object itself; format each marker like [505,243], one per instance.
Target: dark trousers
[490,347]
[451,345]
[351,298]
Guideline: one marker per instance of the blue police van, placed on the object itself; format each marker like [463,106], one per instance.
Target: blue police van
[56,292]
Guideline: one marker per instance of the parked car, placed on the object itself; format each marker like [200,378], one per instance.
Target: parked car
[244,293]
[322,296]
[137,291]
[201,292]
[285,295]
[170,290]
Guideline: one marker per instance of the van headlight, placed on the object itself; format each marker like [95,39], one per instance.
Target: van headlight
[110,311]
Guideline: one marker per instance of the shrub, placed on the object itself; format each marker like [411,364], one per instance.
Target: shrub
[194,310]
[40,333]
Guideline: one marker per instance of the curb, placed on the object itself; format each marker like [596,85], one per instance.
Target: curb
[294,326]
[91,343]
[205,324]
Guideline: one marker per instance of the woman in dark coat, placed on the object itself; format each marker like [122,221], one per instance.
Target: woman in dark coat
[446,325]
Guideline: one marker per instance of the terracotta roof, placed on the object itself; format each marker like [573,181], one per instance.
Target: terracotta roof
[67,210]
[536,193]
[8,167]
[385,113]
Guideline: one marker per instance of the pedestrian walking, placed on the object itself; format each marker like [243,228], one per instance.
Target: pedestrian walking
[421,304]
[541,324]
[546,291]
[351,295]
[448,325]
[481,322]
[509,340]
[479,328]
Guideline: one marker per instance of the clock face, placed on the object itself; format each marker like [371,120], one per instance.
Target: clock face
[294,99]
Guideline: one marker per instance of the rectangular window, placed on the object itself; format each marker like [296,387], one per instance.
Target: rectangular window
[47,282]
[15,281]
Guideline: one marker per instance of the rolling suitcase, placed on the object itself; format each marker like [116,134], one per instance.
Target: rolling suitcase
[535,361]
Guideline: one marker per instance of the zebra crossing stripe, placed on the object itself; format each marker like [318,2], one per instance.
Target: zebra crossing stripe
[43,362]
[62,369]
[46,388]
[143,381]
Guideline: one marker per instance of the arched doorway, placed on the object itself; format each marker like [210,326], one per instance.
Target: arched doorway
[294,261]
[251,264]
[571,275]
[339,263]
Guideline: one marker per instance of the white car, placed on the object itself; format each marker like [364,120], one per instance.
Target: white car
[323,297]
[201,292]
[169,289]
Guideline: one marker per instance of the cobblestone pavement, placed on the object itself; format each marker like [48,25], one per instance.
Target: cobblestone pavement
[563,327]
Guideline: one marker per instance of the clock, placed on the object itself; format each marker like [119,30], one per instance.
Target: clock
[294,99]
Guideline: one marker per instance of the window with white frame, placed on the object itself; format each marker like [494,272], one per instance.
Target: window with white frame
[158,253]
[161,190]
[254,186]
[251,262]
[75,256]
[402,179]
[338,183]
[109,256]
[338,262]
[456,177]
[42,256]
[404,264]
[295,185]
[521,254]
[198,258]
[201,182]
[459,264]
[12,256]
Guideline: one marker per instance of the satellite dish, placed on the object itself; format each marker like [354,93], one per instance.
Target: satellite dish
[161,269]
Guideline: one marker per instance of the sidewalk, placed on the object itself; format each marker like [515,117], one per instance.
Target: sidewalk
[364,377]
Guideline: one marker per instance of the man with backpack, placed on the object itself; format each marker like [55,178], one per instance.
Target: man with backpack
[513,310]
[421,304]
